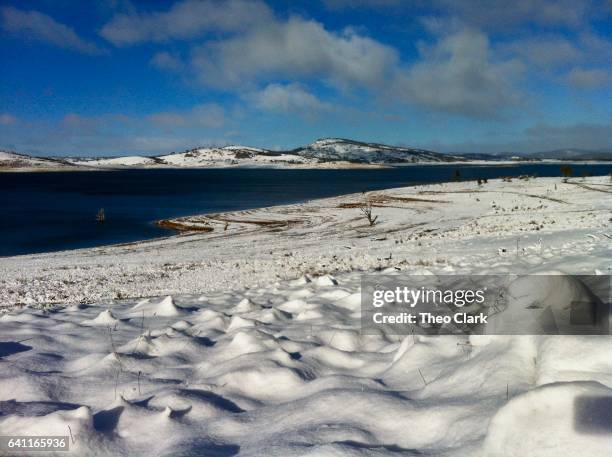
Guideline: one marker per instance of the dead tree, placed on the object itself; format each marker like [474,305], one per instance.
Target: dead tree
[366,210]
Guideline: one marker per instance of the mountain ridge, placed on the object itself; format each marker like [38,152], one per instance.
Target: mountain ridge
[323,152]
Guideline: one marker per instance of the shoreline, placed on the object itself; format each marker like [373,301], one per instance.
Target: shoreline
[160,218]
[255,329]
[78,168]
[322,166]
[427,223]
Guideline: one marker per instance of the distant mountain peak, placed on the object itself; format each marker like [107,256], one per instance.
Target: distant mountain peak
[334,149]
[323,152]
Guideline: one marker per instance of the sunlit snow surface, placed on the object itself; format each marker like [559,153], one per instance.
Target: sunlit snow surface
[330,152]
[268,359]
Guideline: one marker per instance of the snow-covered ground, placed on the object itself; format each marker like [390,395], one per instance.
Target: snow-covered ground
[125,161]
[21,162]
[343,149]
[244,156]
[323,153]
[227,156]
[451,227]
[245,339]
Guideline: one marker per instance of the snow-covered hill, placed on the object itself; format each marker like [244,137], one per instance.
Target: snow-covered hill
[322,153]
[14,161]
[226,156]
[328,152]
[231,155]
[126,161]
[331,149]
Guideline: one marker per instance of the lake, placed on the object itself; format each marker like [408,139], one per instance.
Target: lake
[41,212]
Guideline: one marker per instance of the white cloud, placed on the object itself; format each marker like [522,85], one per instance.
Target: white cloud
[597,48]
[166,61]
[581,135]
[371,4]
[554,52]
[538,137]
[587,78]
[297,48]
[105,134]
[503,14]
[458,75]
[32,25]
[240,46]
[289,98]
[488,14]
[546,52]
[185,20]
[209,115]
[244,48]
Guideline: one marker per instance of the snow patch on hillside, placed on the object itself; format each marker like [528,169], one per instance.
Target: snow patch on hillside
[230,156]
[342,149]
[126,161]
[11,160]
[330,152]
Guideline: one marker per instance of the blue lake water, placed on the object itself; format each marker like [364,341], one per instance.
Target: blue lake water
[42,212]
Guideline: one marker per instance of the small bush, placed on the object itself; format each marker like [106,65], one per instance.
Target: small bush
[366,210]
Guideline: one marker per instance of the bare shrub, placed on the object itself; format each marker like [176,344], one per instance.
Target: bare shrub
[366,210]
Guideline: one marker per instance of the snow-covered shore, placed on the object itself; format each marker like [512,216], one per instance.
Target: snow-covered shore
[452,227]
[248,339]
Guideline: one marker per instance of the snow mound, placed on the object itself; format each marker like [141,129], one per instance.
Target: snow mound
[104,318]
[238,322]
[272,315]
[326,280]
[560,419]
[292,306]
[309,314]
[181,325]
[539,304]
[352,302]
[76,422]
[245,306]
[245,342]
[266,381]
[337,294]
[163,308]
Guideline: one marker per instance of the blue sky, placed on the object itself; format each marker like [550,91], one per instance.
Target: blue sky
[122,77]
